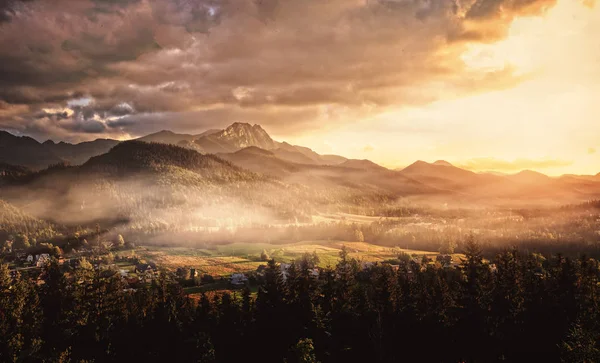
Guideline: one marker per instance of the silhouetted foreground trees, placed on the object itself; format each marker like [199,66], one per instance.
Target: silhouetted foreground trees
[520,308]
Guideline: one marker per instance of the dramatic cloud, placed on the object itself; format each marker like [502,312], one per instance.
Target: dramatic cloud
[188,65]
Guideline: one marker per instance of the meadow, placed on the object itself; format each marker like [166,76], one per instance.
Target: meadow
[224,260]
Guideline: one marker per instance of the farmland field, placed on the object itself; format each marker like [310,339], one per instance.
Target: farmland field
[223,260]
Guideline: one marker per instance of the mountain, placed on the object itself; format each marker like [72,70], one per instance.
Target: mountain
[580,177]
[25,151]
[443,175]
[173,138]
[157,186]
[293,156]
[530,177]
[167,137]
[310,157]
[191,145]
[235,137]
[28,152]
[442,163]
[261,161]
[524,186]
[361,164]
[80,153]
[145,184]
[246,154]
[333,159]
[357,177]
[135,156]
[308,153]
[207,133]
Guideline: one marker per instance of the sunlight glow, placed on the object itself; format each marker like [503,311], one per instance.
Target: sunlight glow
[550,114]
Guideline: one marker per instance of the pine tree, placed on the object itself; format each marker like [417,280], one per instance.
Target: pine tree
[508,307]
[57,303]
[271,313]
[120,242]
[475,300]
[21,242]
[303,352]
[580,345]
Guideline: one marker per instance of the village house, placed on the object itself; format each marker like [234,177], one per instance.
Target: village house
[145,271]
[284,267]
[367,265]
[145,267]
[238,279]
[42,260]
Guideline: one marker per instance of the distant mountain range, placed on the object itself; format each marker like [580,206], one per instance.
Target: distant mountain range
[250,147]
[27,152]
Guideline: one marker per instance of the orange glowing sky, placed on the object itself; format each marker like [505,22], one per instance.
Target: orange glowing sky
[549,121]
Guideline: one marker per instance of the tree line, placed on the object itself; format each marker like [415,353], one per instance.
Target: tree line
[516,307]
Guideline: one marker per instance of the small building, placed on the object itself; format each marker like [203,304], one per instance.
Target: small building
[314,272]
[284,267]
[42,260]
[367,265]
[145,267]
[238,279]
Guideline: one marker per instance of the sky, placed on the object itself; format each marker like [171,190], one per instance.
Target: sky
[489,85]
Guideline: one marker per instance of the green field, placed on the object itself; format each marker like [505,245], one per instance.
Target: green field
[223,260]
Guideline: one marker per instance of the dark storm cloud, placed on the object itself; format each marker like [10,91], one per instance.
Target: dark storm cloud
[9,8]
[194,64]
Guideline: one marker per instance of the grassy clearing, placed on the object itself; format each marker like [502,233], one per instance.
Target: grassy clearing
[127,266]
[348,218]
[242,257]
[215,266]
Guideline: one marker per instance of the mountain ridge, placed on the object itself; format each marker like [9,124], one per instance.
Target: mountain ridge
[26,151]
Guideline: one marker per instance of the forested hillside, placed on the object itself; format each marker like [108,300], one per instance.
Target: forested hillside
[14,222]
[159,186]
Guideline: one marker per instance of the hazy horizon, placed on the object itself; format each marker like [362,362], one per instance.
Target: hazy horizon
[502,167]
